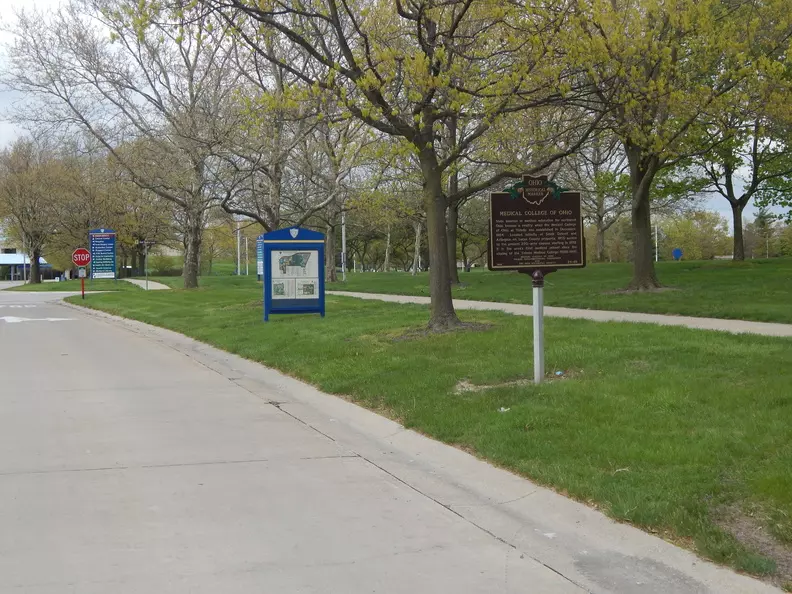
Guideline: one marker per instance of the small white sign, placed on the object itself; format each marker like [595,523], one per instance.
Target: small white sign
[81,273]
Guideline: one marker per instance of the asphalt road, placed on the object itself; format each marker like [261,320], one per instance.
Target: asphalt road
[135,461]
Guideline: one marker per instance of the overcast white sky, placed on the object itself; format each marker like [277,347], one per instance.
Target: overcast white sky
[8,8]
[8,132]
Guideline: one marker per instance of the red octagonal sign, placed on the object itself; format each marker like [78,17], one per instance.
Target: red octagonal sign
[81,257]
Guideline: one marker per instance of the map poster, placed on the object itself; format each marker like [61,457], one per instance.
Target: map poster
[295,274]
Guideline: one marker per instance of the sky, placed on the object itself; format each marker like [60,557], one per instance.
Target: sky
[8,131]
[8,8]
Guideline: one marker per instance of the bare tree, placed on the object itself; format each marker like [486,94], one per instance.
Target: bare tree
[104,67]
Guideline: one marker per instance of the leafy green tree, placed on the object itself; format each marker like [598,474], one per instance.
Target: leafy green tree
[658,68]
[752,159]
[700,234]
[409,70]
[31,183]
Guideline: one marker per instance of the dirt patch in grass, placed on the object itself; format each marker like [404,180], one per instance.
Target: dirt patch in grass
[423,332]
[750,531]
[466,387]
[640,291]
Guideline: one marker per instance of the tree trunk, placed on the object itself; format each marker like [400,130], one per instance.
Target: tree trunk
[600,247]
[135,269]
[452,220]
[644,276]
[739,240]
[386,264]
[140,250]
[417,251]
[330,255]
[193,234]
[35,268]
[643,169]
[442,314]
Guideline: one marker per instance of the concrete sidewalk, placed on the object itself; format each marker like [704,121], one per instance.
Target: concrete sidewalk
[734,326]
[152,285]
[8,284]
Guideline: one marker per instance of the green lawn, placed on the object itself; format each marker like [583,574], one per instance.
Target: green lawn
[74,285]
[664,428]
[754,290]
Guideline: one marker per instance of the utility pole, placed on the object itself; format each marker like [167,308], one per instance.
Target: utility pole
[239,250]
[343,246]
[247,257]
[657,244]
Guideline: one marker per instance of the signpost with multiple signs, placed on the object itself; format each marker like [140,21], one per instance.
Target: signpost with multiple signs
[294,270]
[536,228]
[103,253]
[81,258]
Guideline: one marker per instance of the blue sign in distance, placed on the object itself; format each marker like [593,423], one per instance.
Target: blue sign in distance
[260,256]
[294,270]
[677,253]
[102,243]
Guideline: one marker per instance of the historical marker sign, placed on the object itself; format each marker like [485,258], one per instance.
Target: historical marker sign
[103,253]
[536,228]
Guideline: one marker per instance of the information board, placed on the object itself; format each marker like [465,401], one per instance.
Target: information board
[293,261]
[102,243]
[537,229]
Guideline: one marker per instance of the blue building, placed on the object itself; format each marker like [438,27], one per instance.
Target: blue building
[15,266]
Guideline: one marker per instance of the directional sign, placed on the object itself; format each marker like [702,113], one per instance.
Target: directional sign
[260,256]
[81,257]
[103,253]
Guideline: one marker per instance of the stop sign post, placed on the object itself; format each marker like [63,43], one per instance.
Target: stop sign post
[81,258]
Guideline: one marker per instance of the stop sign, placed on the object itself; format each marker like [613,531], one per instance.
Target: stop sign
[81,257]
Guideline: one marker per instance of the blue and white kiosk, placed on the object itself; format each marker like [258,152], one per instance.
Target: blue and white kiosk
[294,270]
